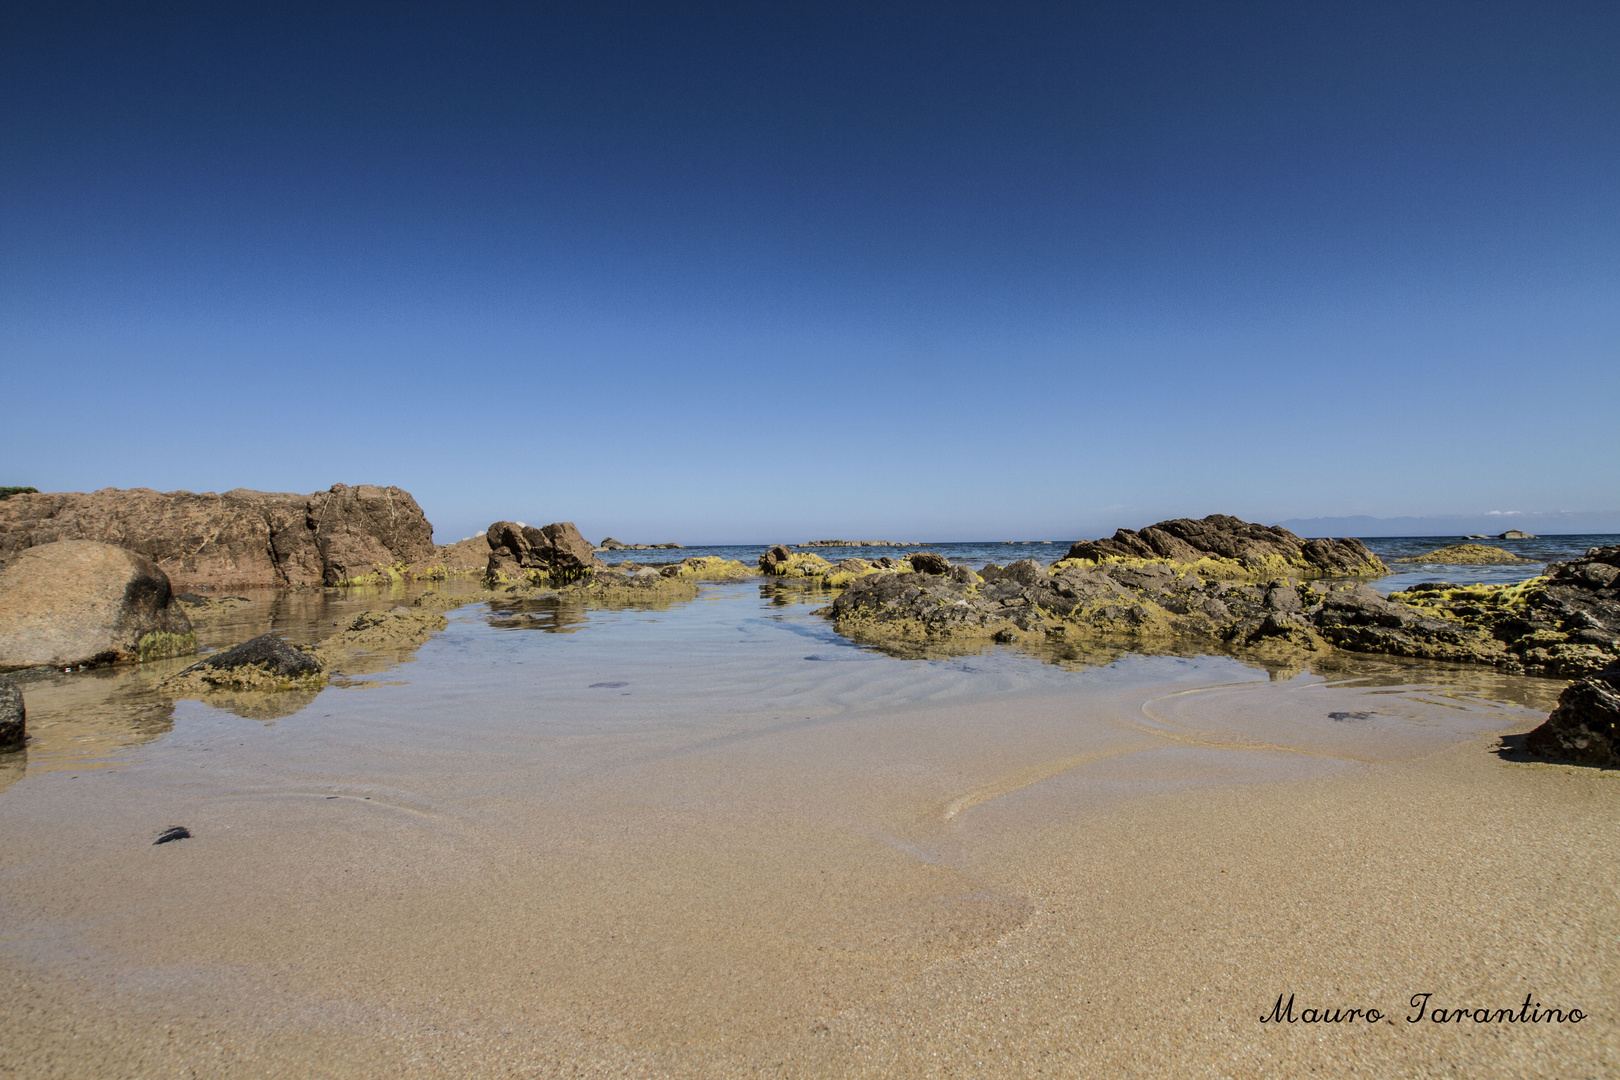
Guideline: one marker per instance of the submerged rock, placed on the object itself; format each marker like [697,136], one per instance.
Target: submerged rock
[1585,727]
[13,716]
[82,602]
[1230,547]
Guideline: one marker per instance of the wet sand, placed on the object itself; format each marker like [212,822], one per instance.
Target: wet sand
[719,842]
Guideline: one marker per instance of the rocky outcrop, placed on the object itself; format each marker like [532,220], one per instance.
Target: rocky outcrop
[557,551]
[1230,547]
[464,556]
[782,561]
[1566,622]
[1560,624]
[241,537]
[774,557]
[1585,727]
[1360,619]
[610,544]
[862,543]
[1515,534]
[81,602]
[13,716]
[930,562]
[1467,555]
[1155,599]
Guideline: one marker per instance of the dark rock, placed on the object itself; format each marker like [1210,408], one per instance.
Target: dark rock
[13,716]
[610,544]
[1024,572]
[1559,624]
[930,562]
[79,602]
[1585,727]
[269,650]
[241,537]
[1254,547]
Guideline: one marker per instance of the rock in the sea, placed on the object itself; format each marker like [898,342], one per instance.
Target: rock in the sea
[1585,727]
[774,558]
[930,562]
[1362,620]
[268,652]
[81,602]
[13,716]
[1515,534]
[557,549]
[1566,622]
[241,537]
[1252,550]
[1467,555]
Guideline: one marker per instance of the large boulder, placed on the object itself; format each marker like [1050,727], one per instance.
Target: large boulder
[1255,549]
[241,537]
[1585,727]
[559,549]
[13,716]
[78,601]
[930,562]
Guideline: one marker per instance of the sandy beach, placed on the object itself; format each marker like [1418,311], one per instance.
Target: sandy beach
[684,843]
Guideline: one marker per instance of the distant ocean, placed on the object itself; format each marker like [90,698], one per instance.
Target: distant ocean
[1543,549]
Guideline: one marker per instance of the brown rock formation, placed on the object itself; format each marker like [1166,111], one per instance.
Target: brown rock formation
[1267,548]
[241,537]
[558,549]
[79,602]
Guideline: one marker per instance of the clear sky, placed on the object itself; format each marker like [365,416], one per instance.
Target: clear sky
[720,272]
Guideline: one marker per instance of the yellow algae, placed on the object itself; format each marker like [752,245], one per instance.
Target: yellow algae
[1467,555]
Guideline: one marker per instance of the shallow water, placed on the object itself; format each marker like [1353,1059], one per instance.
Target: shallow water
[743,659]
[679,834]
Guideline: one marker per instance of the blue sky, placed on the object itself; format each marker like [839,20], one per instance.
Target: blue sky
[749,272]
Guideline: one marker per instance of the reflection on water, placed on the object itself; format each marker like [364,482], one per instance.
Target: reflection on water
[83,720]
[749,642]
[13,763]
